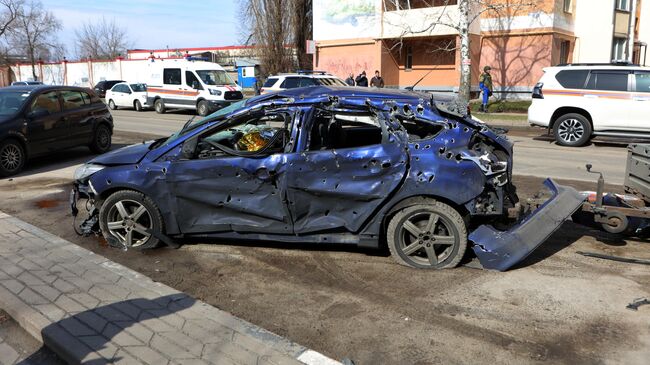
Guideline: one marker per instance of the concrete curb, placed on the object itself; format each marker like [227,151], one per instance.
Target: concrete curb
[85,307]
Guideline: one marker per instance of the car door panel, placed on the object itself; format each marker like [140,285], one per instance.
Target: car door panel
[606,96]
[49,132]
[640,110]
[340,188]
[230,193]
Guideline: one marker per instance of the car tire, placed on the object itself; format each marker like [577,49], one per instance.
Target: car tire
[159,105]
[202,108]
[427,236]
[573,130]
[102,139]
[127,216]
[111,104]
[137,106]
[12,157]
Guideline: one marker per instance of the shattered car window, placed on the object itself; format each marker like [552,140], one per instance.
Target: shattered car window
[338,130]
[264,134]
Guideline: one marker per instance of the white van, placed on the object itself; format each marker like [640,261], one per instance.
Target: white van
[189,84]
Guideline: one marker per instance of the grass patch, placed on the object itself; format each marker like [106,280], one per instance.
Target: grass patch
[500,117]
[503,106]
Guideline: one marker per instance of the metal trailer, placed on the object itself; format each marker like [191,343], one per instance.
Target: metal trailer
[622,213]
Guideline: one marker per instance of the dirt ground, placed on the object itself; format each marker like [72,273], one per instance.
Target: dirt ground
[556,307]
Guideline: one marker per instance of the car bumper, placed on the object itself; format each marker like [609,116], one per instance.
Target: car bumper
[538,115]
[501,250]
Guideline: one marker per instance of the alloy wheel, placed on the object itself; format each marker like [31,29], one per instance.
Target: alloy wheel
[11,157]
[571,130]
[130,222]
[103,139]
[427,238]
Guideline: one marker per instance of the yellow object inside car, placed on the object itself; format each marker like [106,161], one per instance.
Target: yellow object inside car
[252,141]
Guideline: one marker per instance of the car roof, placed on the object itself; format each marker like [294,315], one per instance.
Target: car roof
[598,67]
[341,92]
[32,88]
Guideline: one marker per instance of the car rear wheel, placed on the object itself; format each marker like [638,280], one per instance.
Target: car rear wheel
[573,130]
[159,105]
[111,104]
[427,236]
[132,219]
[137,106]
[202,108]
[101,140]
[12,157]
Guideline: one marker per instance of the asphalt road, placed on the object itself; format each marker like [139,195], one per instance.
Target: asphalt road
[535,153]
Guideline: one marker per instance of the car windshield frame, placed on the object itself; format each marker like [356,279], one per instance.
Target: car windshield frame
[4,111]
[210,118]
[217,77]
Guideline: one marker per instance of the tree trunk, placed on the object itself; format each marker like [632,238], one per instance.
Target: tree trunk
[465,66]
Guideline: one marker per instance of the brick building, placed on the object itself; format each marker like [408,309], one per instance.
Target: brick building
[407,40]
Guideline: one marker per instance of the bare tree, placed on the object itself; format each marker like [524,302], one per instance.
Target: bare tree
[33,33]
[101,40]
[277,28]
[460,20]
[9,11]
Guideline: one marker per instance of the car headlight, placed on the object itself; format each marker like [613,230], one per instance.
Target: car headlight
[86,170]
[215,92]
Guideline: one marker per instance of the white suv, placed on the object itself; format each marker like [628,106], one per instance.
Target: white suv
[579,101]
[300,79]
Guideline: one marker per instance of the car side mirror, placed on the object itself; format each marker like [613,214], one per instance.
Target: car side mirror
[196,85]
[38,113]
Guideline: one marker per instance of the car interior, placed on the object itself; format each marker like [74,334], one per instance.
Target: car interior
[253,136]
[339,130]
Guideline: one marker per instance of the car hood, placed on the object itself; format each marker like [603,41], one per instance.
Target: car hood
[123,156]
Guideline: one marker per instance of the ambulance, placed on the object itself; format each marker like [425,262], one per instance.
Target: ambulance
[190,84]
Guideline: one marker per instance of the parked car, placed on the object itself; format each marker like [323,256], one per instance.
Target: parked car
[300,79]
[323,164]
[39,120]
[15,83]
[190,84]
[579,101]
[127,95]
[105,85]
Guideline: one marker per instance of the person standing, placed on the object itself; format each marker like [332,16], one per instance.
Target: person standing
[362,80]
[377,81]
[350,80]
[485,84]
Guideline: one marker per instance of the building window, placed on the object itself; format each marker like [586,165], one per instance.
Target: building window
[564,52]
[619,49]
[567,6]
[409,58]
[393,5]
[623,5]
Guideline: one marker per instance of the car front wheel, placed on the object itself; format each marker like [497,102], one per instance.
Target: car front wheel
[111,104]
[12,158]
[130,218]
[137,106]
[159,105]
[427,236]
[573,130]
[202,108]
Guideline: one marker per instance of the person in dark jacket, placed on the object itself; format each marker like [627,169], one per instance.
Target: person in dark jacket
[377,81]
[362,80]
[350,80]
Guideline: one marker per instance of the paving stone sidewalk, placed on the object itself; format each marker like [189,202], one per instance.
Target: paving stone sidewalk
[88,309]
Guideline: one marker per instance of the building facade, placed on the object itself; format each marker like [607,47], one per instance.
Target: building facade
[414,42]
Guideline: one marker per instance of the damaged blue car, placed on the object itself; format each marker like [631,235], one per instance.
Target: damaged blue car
[323,164]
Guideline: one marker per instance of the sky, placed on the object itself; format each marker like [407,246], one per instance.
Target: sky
[154,23]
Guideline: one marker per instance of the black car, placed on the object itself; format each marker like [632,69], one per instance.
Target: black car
[102,86]
[37,120]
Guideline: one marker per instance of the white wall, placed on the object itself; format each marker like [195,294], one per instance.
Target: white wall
[644,27]
[594,27]
[85,74]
